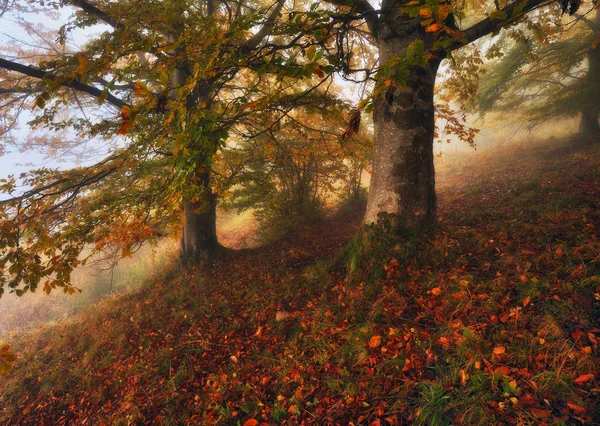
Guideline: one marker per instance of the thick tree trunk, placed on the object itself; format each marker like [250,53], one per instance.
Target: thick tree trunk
[589,129]
[199,235]
[403,179]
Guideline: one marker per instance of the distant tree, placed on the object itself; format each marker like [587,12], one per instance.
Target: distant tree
[557,79]
[288,173]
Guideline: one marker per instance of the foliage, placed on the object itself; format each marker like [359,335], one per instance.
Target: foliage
[289,173]
[494,320]
[545,80]
[164,83]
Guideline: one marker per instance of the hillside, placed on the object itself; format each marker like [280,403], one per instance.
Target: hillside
[494,320]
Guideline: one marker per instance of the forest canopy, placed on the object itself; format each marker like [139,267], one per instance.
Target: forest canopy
[195,101]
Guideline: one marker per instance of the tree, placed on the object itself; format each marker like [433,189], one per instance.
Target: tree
[180,76]
[288,173]
[558,79]
[412,38]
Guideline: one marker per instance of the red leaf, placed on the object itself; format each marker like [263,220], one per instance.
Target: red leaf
[584,378]
[578,409]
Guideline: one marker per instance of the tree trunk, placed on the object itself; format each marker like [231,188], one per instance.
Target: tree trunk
[589,128]
[199,235]
[403,178]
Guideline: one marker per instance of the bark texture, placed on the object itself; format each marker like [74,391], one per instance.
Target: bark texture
[199,241]
[403,178]
[199,235]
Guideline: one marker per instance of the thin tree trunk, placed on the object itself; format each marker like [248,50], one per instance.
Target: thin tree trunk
[403,179]
[589,129]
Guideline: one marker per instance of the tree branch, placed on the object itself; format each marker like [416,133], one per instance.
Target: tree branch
[73,84]
[364,8]
[94,11]
[513,10]
[266,28]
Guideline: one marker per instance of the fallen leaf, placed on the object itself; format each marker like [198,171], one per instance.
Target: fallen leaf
[374,342]
[584,378]
[499,350]
[436,291]
[578,409]
[281,315]
[251,422]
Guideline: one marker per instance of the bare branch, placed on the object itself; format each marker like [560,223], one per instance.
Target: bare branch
[73,84]
[266,28]
[364,8]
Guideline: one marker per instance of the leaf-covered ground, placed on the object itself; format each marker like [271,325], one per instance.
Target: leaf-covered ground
[494,320]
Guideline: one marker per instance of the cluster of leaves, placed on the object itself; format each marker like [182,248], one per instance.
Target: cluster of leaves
[494,320]
[290,172]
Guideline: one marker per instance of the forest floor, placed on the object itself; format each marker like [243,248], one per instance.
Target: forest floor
[494,319]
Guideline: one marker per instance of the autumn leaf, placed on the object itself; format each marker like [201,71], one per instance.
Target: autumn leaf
[499,350]
[127,118]
[83,64]
[425,13]
[577,409]
[318,71]
[251,422]
[433,28]
[436,291]
[584,378]
[374,342]
[443,12]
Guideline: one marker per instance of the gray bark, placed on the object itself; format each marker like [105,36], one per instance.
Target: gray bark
[403,178]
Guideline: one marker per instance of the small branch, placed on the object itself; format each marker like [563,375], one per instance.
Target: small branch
[487,26]
[266,28]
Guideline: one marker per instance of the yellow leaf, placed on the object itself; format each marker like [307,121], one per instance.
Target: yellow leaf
[83,64]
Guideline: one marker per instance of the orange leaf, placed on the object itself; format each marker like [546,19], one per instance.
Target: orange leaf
[443,12]
[499,350]
[374,342]
[578,409]
[83,64]
[436,291]
[584,378]
[251,422]
[526,301]
[433,28]
[425,13]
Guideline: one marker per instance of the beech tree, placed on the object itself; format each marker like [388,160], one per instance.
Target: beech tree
[412,38]
[557,79]
[165,82]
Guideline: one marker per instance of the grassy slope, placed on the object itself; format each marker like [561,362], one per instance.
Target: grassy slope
[493,321]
